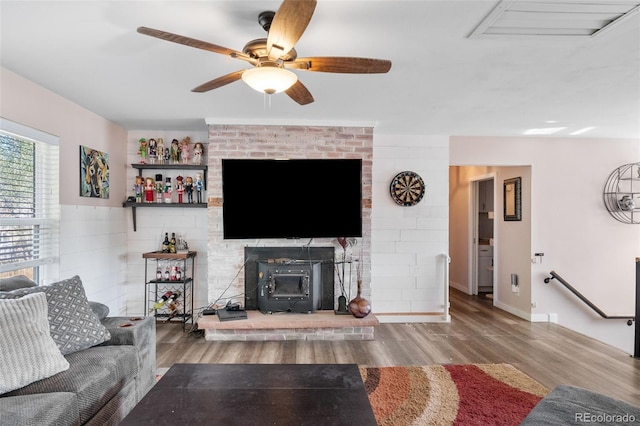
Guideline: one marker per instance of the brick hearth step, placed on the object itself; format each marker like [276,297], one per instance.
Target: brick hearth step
[319,325]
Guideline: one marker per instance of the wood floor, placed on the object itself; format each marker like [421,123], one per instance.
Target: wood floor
[478,333]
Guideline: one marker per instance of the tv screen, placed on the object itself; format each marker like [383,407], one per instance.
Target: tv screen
[291,198]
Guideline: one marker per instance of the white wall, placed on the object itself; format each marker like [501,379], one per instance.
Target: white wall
[408,243]
[92,241]
[152,223]
[570,225]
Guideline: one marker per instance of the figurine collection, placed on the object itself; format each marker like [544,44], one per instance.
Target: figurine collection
[162,190]
[153,151]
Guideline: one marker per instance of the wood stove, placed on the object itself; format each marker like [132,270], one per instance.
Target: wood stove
[293,286]
[289,279]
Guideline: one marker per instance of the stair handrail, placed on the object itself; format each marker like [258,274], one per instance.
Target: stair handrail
[580,296]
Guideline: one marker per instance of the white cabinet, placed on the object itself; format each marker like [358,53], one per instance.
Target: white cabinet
[485,269]
[485,196]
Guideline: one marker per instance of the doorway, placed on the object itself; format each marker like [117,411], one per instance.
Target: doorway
[483,213]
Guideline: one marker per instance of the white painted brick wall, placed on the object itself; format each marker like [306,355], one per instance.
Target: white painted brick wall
[408,242]
[93,246]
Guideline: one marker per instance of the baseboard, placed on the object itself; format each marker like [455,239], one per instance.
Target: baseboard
[459,287]
[517,312]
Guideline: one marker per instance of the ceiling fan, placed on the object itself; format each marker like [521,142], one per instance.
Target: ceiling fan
[272,57]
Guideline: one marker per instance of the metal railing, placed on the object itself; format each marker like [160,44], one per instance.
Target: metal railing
[447,261]
[630,319]
[585,300]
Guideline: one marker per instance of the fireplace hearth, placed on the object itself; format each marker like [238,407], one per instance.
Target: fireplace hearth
[289,279]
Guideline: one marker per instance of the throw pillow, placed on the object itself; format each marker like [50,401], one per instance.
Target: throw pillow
[28,351]
[73,325]
[13,283]
[101,310]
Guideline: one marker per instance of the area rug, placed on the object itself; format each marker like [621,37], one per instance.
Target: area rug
[434,395]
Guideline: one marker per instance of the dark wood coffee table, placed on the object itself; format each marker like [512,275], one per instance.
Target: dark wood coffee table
[256,394]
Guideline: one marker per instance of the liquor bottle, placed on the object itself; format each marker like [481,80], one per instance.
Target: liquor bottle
[158,272]
[162,300]
[165,243]
[173,297]
[172,243]
[167,275]
[174,272]
[172,305]
[178,274]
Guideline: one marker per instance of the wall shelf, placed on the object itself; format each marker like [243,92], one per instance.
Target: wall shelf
[157,166]
[134,205]
[147,166]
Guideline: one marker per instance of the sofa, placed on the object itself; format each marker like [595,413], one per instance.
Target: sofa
[65,361]
[567,405]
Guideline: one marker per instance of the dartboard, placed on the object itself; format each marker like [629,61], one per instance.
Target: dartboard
[407,188]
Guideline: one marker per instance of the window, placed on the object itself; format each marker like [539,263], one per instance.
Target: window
[29,202]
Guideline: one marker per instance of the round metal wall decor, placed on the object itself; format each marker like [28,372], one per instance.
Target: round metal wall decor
[407,188]
[622,193]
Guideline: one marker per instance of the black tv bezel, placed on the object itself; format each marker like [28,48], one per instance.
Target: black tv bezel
[329,167]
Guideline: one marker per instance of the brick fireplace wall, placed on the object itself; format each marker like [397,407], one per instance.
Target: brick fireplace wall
[225,258]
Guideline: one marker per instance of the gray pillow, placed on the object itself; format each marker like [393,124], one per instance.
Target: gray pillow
[28,351]
[72,323]
[101,311]
[13,283]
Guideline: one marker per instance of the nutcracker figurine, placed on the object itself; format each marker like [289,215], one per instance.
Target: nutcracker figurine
[153,150]
[167,155]
[168,190]
[175,151]
[184,150]
[188,187]
[149,186]
[143,150]
[160,151]
[199,186]
[159,188]
[179,188]
[138,188]
[198,152]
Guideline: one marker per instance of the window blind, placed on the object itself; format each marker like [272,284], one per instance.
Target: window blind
[29,198]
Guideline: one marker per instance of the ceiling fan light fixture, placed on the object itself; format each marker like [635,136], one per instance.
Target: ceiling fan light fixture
[269,79]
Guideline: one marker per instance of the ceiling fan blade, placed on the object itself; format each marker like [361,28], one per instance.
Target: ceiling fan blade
[219,82]
[288,25]
[192,42]
[340,64]
[299,93]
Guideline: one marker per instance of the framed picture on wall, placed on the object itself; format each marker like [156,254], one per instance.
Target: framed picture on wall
[513,199]
[94,173]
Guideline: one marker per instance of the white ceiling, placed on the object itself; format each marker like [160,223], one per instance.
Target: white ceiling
[441,81]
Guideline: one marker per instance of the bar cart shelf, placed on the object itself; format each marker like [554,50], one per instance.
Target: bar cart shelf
[156,287]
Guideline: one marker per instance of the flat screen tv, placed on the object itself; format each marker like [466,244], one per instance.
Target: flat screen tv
[299,198]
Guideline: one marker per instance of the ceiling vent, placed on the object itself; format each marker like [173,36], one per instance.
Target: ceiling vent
[563,18]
